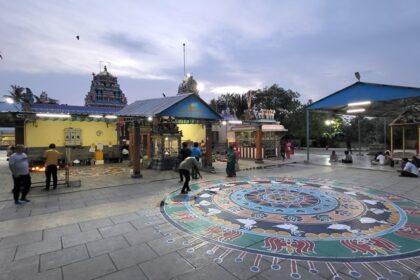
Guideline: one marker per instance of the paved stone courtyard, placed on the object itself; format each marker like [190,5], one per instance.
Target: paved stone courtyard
[118,232]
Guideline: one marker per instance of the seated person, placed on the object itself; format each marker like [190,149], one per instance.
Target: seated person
[416,161]
[333,157]
[347,158]
[388,159]
[380,159]
[409,170]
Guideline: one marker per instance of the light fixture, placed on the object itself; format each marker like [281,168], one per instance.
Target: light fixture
[95,116]
[166,138]
[328,122]
[48,115]
[149,118]
[9,100]
[235,122]
[111,117]
[361,103]
[358,110]
[224,123]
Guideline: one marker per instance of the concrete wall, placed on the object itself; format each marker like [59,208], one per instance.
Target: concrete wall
[44,132]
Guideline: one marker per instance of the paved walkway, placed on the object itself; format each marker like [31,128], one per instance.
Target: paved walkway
[111,228]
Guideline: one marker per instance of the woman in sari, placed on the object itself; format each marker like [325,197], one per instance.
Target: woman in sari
[231,161]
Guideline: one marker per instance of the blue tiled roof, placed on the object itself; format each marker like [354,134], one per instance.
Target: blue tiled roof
[70,109]
[10,108]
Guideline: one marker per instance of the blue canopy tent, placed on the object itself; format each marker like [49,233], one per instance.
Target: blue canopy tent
[366,99]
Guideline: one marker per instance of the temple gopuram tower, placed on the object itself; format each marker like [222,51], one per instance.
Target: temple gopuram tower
[105,91]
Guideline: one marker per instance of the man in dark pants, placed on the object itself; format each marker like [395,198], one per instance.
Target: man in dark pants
[51,161]
[19,165]
[183,154]
[186,165]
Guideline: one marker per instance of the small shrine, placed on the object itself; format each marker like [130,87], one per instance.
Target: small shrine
[105,91]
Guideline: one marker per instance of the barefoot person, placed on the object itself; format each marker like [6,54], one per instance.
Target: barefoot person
[19,165]
[51,161]
[186,165]
[409,170]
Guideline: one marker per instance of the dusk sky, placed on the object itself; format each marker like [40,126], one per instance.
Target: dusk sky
[313,47]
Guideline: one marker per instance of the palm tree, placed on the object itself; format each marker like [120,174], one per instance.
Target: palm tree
[19,95]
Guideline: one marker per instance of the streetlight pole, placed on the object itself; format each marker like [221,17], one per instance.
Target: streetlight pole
[358,128]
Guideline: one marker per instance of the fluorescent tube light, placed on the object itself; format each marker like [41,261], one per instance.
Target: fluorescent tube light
[110,117]
[361,103]
[48,115]
[235,122]
[356,110]
[95,116]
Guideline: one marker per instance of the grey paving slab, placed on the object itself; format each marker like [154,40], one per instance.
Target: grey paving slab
[20,239]
[94,224]
[211,271]
[7,255]
[132,255]
[167,244]
[142,235]
[37,248]
[96,202]
[116,229]
[42,211]
[285,273]
[63,257]
[133,272]
[20,269]
[196,253]
[144,223]
[166,267]
[70,240]
[89,269]
[60,231]
[249,267]
[106,245]
[53,274]
[124,218]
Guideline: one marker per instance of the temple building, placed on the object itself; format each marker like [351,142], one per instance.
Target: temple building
[105,91]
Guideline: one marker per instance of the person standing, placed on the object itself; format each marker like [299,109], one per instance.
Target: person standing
[183,154]
[195,152]
[51,161]
[231,161]
[186,165]
[19,165]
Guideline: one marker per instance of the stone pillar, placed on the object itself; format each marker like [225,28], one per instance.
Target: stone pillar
[20,132]
[135,149]
[149,146]
[258,145]
[209,147]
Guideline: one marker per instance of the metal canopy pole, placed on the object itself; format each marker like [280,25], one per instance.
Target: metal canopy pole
[307,134]
[360,143]
[385,134]
[403,141]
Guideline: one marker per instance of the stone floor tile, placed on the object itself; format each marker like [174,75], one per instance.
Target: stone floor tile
[60,231]
[89,269]
[116,229]
[285,273]
[71,240]
[143,235]
[132,255]
[94,224]
[106,245]
[166,267]
[20,269]
[63,257]
[37,248]
[244,269]
[167,244]
[20,239]
[196,254]
[124,218]
[7,255]
[211,271]
[53,274]
[133,272]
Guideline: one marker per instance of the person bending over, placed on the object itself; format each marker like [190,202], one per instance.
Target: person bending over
[186,165]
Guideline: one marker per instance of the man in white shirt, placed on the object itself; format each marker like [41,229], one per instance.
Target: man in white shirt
[19,165]
[410,170]
[379,159]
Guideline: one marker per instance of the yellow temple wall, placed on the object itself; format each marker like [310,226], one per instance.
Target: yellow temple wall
[193,132]
[44,132]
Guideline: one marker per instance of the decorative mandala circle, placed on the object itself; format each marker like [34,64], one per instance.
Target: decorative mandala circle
[299,219]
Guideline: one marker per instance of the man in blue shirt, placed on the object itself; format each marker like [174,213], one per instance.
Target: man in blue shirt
[195,152]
